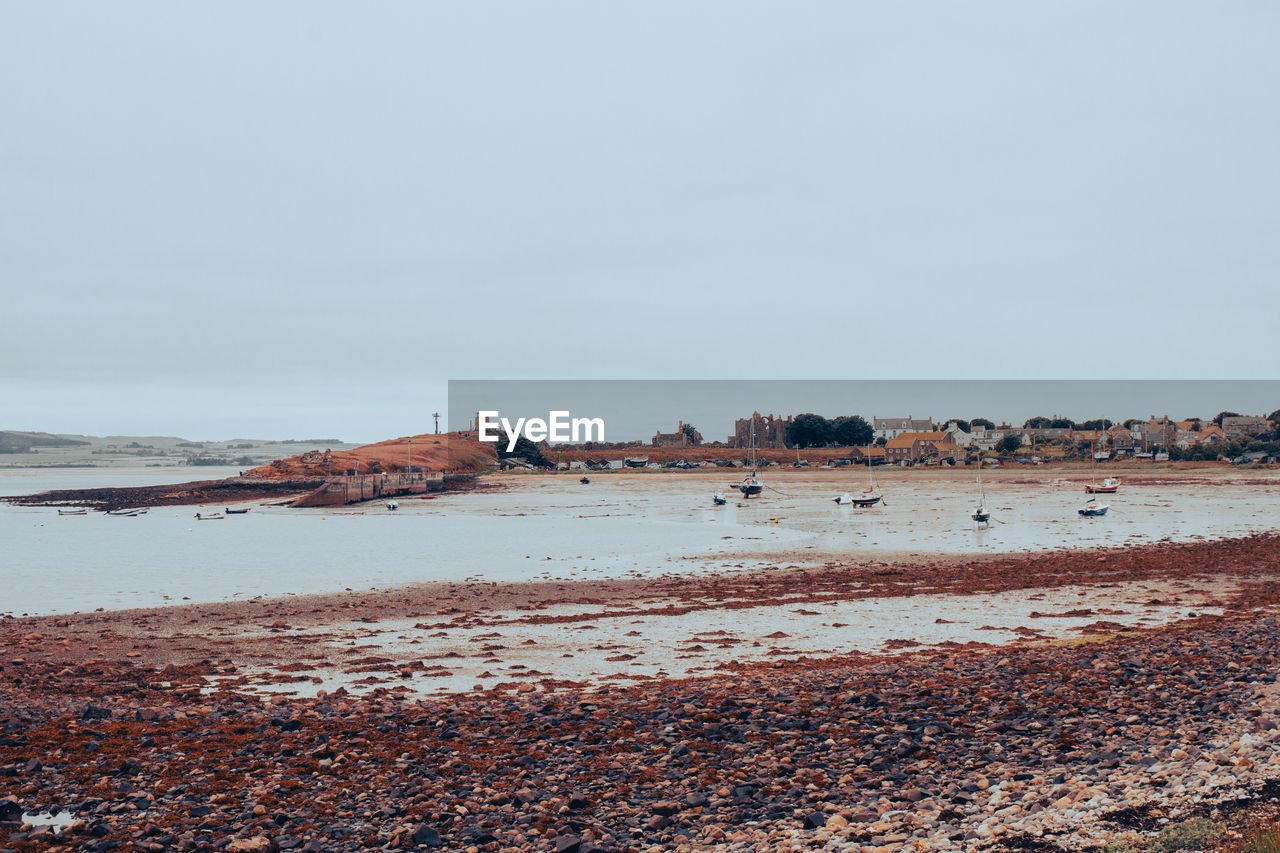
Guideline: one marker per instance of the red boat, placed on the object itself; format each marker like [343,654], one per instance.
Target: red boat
[1106,487]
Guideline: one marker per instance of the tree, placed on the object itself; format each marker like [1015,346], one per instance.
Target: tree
[881,441]
[691,433]
[1096,423]
[1217,419]
[1274,416]
[964,425]
[1009,444]
[981,422]
[1038,422]
[1129,423]
[524,449]
[809,430]
[851,431]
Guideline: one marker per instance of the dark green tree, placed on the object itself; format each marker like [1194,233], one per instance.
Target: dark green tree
[851,431]
[809,430]
[524,449]
[1274,416]
[1096,423]
[981,422]
[1009,444]
[964,425]
[1217,419]
[690,432]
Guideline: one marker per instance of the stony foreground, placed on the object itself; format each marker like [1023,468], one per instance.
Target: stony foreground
[1034,747]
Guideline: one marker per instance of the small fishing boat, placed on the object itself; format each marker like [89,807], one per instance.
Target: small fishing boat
[719,499]
[212,516]
[73,512]
[393,505]
[126,512]
[1108,486]
[1093,509]
[230,511]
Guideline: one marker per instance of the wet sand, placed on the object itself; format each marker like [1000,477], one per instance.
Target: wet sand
[150,727]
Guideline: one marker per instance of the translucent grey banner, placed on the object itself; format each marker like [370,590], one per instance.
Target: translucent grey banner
[639,410]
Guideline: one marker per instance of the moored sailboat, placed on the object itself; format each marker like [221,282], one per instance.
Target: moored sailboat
[751,485]
[869,496]
[1093,509]
[1108,486]
[981,515]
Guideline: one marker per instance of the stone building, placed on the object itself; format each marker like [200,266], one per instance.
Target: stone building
[1239,426]
[887,428]
[1156,432]
[918,446]
[771,431]
[679,438]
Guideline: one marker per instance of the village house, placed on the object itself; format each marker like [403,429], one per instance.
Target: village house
[1122,440]
[1241,426]
[1156,432]
[918,446]
[1043,434]
[959,436]
[859,455]
[983,438]
[887,428]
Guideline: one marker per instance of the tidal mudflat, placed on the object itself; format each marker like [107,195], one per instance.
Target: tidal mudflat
[535,528]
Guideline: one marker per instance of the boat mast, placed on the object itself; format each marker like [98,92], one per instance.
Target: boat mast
[870,474]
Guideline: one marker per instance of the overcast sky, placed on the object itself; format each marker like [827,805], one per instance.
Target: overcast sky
[280,219]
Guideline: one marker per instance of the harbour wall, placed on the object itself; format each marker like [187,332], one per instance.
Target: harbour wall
[337,491]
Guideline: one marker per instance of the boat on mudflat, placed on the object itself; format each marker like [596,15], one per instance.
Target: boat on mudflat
[751,487]
[1093,509]
[1108,486]
[866,498]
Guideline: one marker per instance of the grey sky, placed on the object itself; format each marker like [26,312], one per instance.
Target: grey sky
[301,219]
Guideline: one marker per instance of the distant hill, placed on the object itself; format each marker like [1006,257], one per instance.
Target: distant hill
[24,449]
[22,442]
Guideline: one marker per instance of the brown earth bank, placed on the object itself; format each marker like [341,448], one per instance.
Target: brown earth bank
[449,452]
[1037,746]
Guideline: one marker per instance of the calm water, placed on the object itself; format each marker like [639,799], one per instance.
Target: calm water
[617,526]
